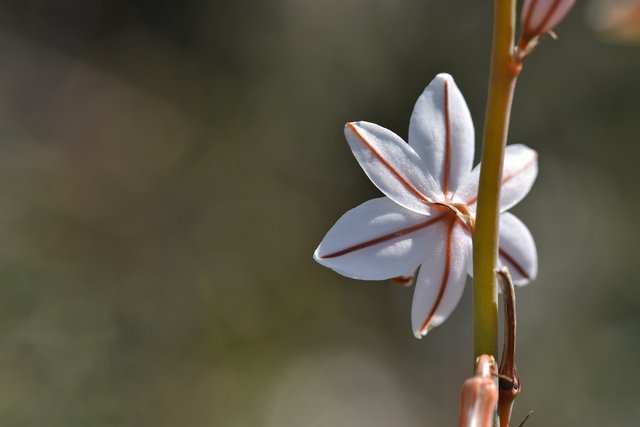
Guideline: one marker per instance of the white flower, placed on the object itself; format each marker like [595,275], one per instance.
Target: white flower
[427,218]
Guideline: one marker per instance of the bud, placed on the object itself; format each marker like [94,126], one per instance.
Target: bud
[538,17]
[479,395]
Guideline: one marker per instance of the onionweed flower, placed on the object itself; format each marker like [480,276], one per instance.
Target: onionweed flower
[427,218]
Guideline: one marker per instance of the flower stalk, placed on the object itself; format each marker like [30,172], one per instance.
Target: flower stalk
[504,71]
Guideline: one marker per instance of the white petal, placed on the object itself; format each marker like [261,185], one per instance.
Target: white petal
[377,240]
[540,16]
[392,165]
[517,249]
[518,174]
[441,278]
[441,132]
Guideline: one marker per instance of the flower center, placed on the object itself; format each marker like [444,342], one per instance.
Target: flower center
[465,216]
[459,212]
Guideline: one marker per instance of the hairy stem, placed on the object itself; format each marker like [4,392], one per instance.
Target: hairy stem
[504,72]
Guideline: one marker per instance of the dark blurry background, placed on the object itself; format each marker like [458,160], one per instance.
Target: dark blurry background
[168,168]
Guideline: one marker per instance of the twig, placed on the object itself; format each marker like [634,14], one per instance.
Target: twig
[508,380]
[526,417]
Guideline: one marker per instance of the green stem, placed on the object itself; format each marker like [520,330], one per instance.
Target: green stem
[504,72]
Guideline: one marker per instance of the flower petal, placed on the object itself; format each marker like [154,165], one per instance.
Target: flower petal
[518,174]
[441,132]
[517,249]
[375,241]
[392,165]
[441,277]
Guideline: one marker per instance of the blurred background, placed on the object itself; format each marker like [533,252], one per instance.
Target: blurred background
[168,168]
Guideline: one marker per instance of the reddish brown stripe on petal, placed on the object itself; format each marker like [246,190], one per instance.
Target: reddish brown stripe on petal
[552,10]
[517,172]
[528,31]
[513,263]
[509,177]
[391,169]
[446,170]
[526,24]
[384,238]
[445,277]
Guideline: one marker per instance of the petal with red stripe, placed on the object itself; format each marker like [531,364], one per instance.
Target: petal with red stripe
[441,131]
[441,278]
[392,165]
[517,249]
[518,174]
[377,240]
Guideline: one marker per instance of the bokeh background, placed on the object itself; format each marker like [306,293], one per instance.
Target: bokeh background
[168,168]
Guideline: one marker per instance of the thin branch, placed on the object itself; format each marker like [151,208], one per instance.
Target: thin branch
[508,380]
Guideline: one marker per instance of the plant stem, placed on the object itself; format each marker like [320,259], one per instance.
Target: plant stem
[504,72]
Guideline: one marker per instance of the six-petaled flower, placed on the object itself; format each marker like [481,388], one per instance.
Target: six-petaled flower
[427,218]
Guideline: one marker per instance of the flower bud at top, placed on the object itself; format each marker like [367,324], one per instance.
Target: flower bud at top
[540,16]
